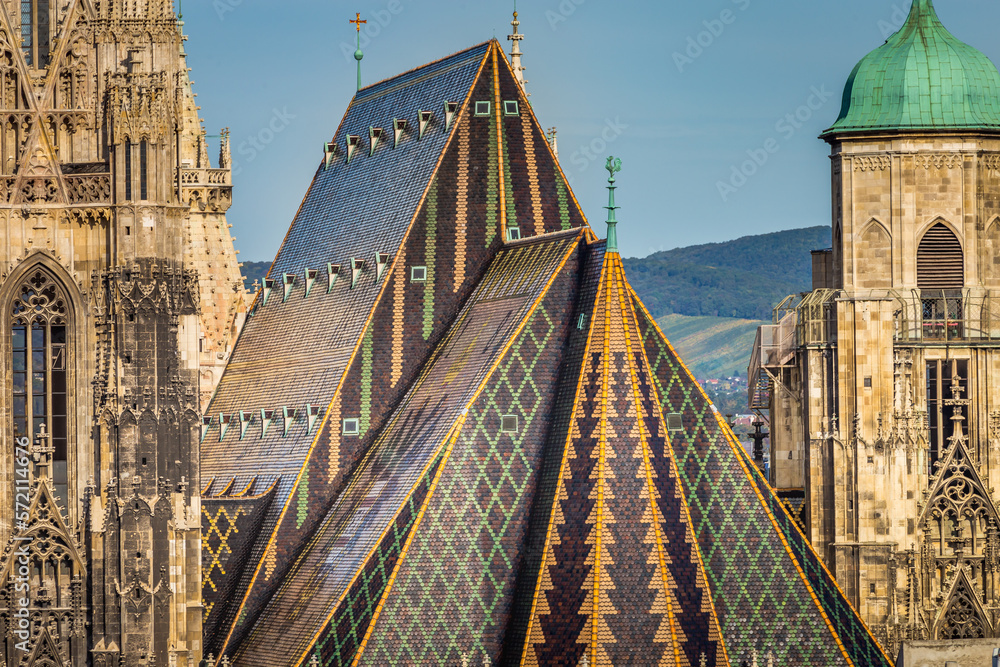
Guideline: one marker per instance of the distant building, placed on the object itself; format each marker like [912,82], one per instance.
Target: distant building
[883,383]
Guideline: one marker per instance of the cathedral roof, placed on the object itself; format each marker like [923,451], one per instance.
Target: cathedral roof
[510,462]
[922,78]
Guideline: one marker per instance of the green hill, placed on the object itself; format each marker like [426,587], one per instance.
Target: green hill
[709,299]
[712,347]
[741,279]
[254,271]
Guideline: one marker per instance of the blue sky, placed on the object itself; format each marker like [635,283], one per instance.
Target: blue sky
[684,92]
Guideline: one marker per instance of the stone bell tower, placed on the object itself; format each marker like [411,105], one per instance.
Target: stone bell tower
[121,297]
[885,379]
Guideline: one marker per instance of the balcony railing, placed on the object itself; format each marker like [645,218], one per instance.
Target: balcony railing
[217,177]
[947,315]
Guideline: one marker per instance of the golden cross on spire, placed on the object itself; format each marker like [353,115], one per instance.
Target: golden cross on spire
[357,22]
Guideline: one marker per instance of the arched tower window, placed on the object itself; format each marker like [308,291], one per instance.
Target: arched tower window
[38,344]
[940,263]
[35,32]
[940,278]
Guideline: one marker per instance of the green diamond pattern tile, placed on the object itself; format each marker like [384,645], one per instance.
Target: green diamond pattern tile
[761,599]
[452,594]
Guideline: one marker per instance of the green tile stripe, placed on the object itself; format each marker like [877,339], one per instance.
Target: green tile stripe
[508,181]
[430,258]
[302,499]
[563,197]
[492,184]
[462,608]
[367,345]
[363,597]
[749,570]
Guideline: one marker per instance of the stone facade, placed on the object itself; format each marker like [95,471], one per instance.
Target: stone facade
[883,385]
[121,297]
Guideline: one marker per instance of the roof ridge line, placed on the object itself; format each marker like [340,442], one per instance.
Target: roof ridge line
[727,433]
[696,548]
[417,69]
[455,429]
[620,279]
[560,484]
[358,343]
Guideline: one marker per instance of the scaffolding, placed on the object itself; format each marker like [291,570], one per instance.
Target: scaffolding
[921,316]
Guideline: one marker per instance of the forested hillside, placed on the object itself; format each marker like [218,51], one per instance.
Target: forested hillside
[742,279]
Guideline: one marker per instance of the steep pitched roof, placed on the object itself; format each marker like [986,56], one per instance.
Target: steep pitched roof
[512,492]
[621,575]
[772,592]
[403,467]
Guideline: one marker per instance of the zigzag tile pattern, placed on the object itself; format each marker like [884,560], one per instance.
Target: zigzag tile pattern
[474,464]
[753,569]
[611,583]
[418,431]
[451,597]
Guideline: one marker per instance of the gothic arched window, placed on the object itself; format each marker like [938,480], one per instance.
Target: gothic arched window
[940,278]
[38,344]
[35,32]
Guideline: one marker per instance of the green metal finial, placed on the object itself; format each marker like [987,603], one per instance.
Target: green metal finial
[358,55]
[614,166]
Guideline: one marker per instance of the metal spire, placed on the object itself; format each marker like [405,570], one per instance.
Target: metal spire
[614,166]
[515,49]
[358,55]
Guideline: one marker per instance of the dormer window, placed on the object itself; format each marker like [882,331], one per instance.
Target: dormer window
[245,418]
[450,110]
[675,422]
[425,122]
[510,108]
[288,280]
[329,152]
[418,274]
[399,129]
[268,286]
[224,420]
[265,421]
[353,142]
[482,108]
[513,233]
[357,266]
[332,273]
[352,427]
[382,259]
[311,275]
[374,135]
[206,423]
[287,418]
[508,424]
[312,415]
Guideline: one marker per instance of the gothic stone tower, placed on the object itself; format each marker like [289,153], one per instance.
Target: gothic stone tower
[885,380]
[120,296]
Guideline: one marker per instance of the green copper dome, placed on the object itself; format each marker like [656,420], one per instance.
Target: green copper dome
[922,78]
